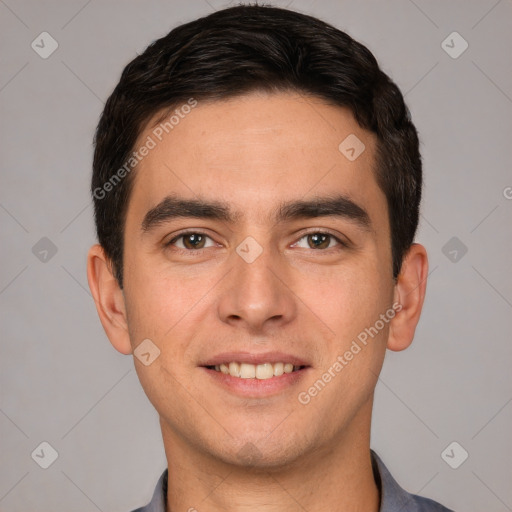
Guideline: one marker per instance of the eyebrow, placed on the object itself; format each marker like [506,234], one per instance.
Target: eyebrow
[172,207]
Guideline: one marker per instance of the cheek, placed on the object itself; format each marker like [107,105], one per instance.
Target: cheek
[347,300]
[165,305]
[350,305]
[164,311]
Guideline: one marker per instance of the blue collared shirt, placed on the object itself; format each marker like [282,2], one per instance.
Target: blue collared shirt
[393,497]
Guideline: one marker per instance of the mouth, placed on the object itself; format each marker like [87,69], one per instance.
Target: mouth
[262,371]
[256,375]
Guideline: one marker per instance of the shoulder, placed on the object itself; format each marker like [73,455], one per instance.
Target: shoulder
[427,505]
[157,503]
[394,498]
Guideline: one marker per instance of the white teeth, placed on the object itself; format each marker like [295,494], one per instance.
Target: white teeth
[234,369]
[261,371]
[278,369]
[247,371]
[264,371]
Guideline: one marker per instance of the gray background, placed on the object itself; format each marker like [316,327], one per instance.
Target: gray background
[63,383]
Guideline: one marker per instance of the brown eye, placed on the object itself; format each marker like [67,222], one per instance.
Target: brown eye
[320,240]
[190,241]
[193,241]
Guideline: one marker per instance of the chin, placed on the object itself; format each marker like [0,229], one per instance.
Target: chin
[257,453]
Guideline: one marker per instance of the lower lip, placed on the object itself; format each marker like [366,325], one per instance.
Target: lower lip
[256,387]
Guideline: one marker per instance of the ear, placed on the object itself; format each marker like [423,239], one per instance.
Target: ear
[410,291]
[109,299]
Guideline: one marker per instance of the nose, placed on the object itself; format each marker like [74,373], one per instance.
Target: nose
[257,295]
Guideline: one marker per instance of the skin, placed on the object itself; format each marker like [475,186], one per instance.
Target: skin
[231,453]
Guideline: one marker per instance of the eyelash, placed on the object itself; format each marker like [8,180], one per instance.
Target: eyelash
[343,245]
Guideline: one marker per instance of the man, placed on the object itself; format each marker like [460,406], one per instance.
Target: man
[257,182]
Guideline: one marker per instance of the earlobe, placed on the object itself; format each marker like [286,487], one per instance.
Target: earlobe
[109,299]
[410,289]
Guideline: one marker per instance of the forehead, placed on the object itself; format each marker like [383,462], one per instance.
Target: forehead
[255,151]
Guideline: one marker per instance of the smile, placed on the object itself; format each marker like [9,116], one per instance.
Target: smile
[255,371]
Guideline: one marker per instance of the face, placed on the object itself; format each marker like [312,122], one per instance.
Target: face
[285,264]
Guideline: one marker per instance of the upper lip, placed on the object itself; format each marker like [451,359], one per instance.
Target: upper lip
[252,358]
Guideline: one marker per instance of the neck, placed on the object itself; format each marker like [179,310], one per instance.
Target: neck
[336,476]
